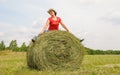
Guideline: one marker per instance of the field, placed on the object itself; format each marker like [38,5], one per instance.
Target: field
[14,63]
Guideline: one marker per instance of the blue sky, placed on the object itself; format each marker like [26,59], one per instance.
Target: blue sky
[97,21]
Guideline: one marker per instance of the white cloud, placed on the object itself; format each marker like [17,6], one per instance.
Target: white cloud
[1,34]
[87,2]
[113,17]
[38,22]
[13,32]
[89,19]
[95,20]
[2,1]
[23,29]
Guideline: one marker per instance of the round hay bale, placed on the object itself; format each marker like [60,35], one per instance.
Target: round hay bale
[55,50]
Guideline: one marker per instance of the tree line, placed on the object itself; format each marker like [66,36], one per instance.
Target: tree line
[101,52]
[13,46]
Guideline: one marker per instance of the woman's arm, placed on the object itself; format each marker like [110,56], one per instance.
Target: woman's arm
[45,26]
[63,25]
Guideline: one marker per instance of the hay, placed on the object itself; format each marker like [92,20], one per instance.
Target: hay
[55,50]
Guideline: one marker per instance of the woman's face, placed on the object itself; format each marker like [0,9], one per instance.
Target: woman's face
[52,13]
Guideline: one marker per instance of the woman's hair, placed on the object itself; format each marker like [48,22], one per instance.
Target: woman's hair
[52,10]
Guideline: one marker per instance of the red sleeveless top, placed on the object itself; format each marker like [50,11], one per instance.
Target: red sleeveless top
[54,24]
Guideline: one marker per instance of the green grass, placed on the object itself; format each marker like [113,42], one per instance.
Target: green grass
[14,63]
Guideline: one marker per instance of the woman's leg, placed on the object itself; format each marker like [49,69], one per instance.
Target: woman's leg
[35,37]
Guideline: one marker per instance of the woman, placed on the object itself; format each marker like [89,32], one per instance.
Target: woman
[53,22]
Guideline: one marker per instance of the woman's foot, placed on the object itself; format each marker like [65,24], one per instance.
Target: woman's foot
[34,38]
[81,40]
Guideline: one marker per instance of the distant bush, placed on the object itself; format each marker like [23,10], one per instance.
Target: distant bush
[23,47]
[13,46]
[2,45]
[101,52]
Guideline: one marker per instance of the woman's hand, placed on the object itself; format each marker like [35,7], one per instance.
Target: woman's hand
[41,33]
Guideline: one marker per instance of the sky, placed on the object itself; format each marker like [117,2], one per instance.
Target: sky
[97,21]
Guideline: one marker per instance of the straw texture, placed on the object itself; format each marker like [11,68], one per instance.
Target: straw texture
[55,50]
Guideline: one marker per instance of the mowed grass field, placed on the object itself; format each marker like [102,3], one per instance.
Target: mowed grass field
[14,63]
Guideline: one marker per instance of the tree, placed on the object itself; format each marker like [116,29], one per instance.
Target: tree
[23,47]
[13,45]
[2,45]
